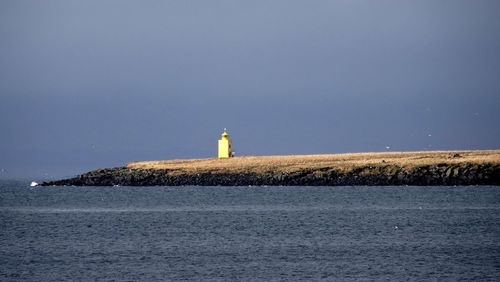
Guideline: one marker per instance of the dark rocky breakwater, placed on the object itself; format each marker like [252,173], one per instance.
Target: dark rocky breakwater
[439,174]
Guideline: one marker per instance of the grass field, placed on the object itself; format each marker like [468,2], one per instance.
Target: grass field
[339,162]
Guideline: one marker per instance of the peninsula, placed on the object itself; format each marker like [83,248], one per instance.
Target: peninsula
[386,168]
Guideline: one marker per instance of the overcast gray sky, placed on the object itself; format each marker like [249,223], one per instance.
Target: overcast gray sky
[88,84]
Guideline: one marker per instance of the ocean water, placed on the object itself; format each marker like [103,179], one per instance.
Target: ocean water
[249,233]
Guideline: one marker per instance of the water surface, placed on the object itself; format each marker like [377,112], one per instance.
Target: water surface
[249,233]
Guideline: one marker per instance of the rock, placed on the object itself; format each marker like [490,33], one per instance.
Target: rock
[448,172]
[442,174]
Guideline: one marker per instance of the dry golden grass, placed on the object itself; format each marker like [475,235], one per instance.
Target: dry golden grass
[339,162]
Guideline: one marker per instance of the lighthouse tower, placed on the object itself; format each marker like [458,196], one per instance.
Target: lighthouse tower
[225,150]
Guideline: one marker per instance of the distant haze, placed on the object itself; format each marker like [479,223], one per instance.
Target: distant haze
[88,84]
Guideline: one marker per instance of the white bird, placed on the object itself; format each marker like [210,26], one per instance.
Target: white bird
[33,184]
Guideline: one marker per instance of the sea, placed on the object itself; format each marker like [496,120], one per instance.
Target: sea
[249,233]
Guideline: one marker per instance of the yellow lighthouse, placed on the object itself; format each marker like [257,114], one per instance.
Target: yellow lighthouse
[225,150]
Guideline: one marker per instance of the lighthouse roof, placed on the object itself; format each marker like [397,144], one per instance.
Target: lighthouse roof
[224,134]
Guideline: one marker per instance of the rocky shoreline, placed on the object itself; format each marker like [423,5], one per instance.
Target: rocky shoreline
[370,175]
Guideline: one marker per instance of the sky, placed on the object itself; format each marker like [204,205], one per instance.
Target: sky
[92,84]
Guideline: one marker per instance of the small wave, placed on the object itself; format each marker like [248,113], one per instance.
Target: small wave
[239,208]
[159,209]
